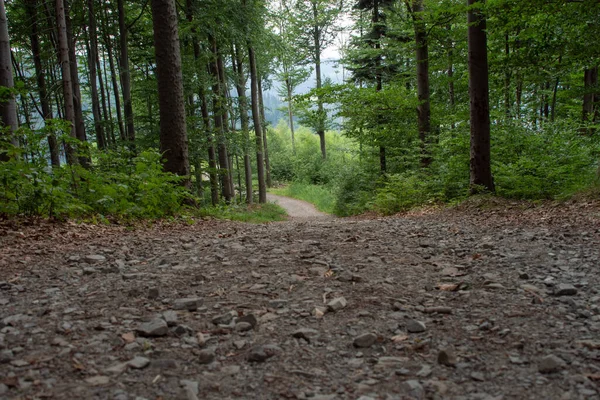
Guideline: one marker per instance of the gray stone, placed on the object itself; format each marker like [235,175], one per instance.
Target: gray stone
[156,327]
[550,364]
[239,344]
[425,371]
[153,293]
[250,318]
[117,369]
[94,258]
[189,303]
[337,304]
[390,362]
[139,362]
[98,380]
[243,326]
[414,326]
[191,388]
[413,389]
[263,353]
[438,310]
[164,364]
[230,370]
[224,319]
[3,389]
[206,356]
[277,303]
[170,317]
[565,289]
[365,340]
[306,334]
[447,357]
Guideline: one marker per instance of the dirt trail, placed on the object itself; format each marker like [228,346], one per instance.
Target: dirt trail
[297,208]
[463,305]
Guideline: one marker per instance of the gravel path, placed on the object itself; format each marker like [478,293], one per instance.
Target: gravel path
[453,305]
[296,208]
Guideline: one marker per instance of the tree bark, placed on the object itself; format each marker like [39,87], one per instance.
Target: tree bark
[79,121]
[173,135]
[241,81]
[480,168]
[260,166]
[41,79]
[264,132]
[224,94]
[212,158]
[125,74]
[590,97]
[320,108]
[113,73]
[422,60]
[93,56]
[63,46]
[8,109]
[288,85]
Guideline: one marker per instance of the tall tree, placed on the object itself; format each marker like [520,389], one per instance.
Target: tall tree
[8,108]
[316,26]
[173,134]
[125,73]
[92,61]
[260,163]
[480,171]
[69,107]
[238,64]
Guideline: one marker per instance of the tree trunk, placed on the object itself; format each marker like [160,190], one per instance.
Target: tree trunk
[506,76]
[224,94]
[113,74]
[590,97]
[92,52]
[41,79]
[480,170]
[212,158]
[288,85]
[173,135]
[260,166]
[125,74]
[422,60]
[63,45]
[79,121]
[264,132]
[320,109]
[238,63]
[8,109]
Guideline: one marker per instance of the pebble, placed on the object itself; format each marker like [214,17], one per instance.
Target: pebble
[243,327]
[413,389]
[447,357]
[189,303]
[153,293]
[337,304]
[550,364]
[414,326]
[206,356]
[191,388]
[306,334]
[565,289]
[250,319]
[94,258]
[438,310]
[170,317]
[263,353]
[365,340]
[224,319]
[139,362]
[98,380]
[156,327]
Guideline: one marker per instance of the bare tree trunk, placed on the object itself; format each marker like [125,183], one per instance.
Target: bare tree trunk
[506,76]
[288,85]
[8,109]
[92,52]
[260,166]
[225,115]
[218,112]
[41,79]
[79,121]
[173,135]
[422,60]
[451,91]
[264,132]
[212,158]
[590,97]
[125,74]
[320,109]
[63,45]
[113,73]
[480,171]
[241,81]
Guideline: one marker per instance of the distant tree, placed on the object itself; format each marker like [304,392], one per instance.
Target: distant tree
[8,108]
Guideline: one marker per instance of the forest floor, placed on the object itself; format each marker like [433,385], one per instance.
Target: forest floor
[482,301]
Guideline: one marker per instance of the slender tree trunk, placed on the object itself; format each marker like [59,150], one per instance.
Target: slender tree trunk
[41,79]
[320,108]
[288,85]
[225,115]
[63,45]
[590,97]
[8,109]
[264,132]
[79,121]
[506,76]
[260,166]
[103,97]
[244,122]
[92,52]
[106,100]
[212,158]
[218,113]
[480,170]
[113,73]
[422,60]
[125,74]
[173,135]
[554,93]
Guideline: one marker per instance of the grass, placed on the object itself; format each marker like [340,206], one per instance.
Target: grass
[321,196]
[256,213]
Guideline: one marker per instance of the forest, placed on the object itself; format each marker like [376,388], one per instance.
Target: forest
[146,109]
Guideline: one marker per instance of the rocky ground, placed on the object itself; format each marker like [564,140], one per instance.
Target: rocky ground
[459,304]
